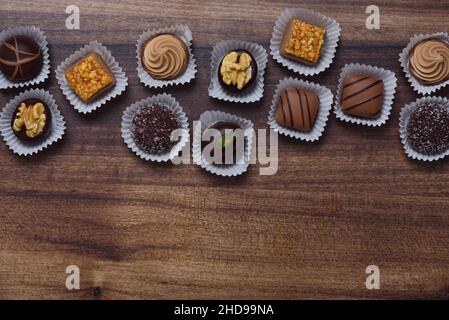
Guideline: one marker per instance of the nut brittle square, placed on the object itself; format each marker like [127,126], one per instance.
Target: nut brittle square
[302,41]
[90,77]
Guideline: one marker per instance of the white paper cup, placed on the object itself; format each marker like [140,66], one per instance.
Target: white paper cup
[403,122]
[37,35]
[325,104]
[251,94]
[405,63]
[184,33]
[27,148]
[209,118]
[390,83]
[330,45]
[72,97]
[164,100]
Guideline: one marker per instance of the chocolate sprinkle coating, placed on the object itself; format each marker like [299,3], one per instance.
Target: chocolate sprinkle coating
[428,129]
[152,127]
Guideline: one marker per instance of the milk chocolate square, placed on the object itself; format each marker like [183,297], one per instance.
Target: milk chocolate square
[362,96]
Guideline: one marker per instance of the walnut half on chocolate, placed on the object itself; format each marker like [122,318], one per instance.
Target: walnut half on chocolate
[31,120]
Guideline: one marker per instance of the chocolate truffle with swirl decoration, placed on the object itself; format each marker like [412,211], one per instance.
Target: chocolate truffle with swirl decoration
[429,61]
[165,57]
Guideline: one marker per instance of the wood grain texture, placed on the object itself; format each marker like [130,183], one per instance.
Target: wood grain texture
[151,231]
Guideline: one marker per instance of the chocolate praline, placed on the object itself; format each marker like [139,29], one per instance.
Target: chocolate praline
[22,135]
[20,58]
[231,134]
[362,96]
[152,128]
[165,57]
[236,67]
[428,129]
[297,109]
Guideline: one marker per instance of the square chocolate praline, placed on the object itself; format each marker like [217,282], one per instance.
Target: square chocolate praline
[302,41]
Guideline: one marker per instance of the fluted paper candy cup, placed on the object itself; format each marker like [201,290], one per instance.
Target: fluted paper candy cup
[251,94]
[37,35]
[325,105]
[404,57]
[330,45]
[184,33]
[209,118]
[167,101]
[109,60]
[27,148]
[390,82]
[403,122]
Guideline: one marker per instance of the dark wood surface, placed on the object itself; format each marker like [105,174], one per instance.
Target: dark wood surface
[145,230]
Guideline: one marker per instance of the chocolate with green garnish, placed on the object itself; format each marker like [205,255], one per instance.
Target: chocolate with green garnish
[230,143]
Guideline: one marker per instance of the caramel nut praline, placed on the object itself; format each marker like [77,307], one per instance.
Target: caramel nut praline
[90,77]
[302,41]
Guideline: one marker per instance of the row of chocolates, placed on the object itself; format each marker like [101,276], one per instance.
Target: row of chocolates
[303,41]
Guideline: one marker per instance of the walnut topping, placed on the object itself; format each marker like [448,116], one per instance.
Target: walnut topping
[236,69]
[305,41]
[32,117]
[89,77]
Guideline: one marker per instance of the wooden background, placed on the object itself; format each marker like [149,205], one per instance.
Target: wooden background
[143,230]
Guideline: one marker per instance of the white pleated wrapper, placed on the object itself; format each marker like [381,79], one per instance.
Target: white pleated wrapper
[27,148]
[109,60]
[184,33]
[390,83]
[404,57]
[37,35]
[325,105]
[251,94]
[209,118]
[330,45]
[164,100]
[403,122]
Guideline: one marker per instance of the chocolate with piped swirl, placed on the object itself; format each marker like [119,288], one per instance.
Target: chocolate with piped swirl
[165,57]
[429,61]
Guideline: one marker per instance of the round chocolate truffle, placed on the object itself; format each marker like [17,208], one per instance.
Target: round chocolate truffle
[231,143]
[32,120]
[152,128]
[237,71]
[165,57]
[428,129]
[20,58]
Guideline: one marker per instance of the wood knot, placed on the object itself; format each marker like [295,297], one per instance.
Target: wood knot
[97,292]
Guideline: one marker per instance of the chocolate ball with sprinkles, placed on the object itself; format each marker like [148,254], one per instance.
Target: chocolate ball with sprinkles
[428,129]
[152,128]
